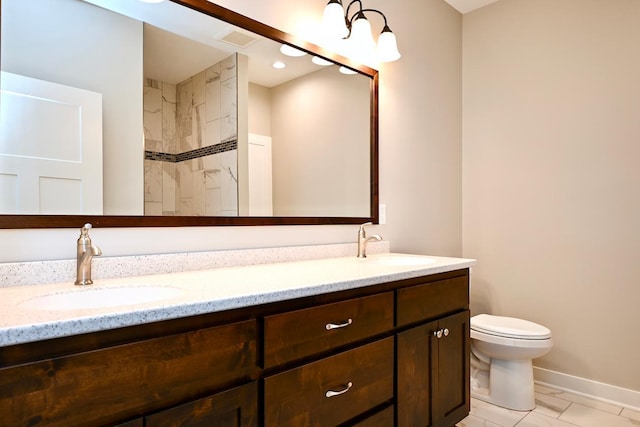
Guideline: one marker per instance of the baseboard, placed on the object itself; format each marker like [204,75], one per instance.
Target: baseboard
[588,388]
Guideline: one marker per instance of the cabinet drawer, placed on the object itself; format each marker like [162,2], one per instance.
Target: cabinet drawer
[237,407]
[432,300]
[103,386]
[301,333]
[332,390]
[383,418]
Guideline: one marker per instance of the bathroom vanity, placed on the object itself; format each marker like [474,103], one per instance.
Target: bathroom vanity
[374,342]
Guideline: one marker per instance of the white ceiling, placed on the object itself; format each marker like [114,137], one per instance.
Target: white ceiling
[464,6]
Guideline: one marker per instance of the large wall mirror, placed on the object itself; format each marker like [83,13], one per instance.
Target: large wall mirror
[126,114]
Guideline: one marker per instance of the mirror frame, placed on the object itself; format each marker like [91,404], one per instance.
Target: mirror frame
[219,12]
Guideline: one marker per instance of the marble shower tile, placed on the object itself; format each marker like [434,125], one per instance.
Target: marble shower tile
[184,180]
[169,92]
[229,180]
[199,193]
[153,181]
[199,81]
[184,107]
[153,208]
[228,67]
[169,127]
[152,113]
[212,93]
[198,130]
[168,187]
[212,133]
[212,202]
[229,113]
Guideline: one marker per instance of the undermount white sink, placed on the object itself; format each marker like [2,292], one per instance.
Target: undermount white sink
[88,298]
[400,260]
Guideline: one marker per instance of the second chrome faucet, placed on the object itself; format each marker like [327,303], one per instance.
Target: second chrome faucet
[363,240]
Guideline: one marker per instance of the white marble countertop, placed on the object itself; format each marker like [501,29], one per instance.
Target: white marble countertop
[200,292]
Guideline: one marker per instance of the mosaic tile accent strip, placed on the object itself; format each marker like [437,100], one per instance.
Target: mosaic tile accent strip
[192,154]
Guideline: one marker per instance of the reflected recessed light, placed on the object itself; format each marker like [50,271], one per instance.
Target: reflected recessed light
[320,61]
[152,1]
[291,51]
[279,65]
[345,70]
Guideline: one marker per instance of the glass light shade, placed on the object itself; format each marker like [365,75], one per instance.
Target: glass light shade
[333,20]
[361,40]
[345,70]
[387,49]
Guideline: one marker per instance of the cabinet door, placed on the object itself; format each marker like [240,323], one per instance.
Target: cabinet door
[233,408]
[451,401]
[433,373]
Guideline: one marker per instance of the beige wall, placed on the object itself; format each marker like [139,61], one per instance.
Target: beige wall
[551,182]
[331,178]
[420,122]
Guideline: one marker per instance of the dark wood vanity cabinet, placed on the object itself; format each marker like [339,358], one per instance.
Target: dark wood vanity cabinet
[366,357]
[433,354]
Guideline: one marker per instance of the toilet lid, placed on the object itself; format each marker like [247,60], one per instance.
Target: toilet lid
[509,327]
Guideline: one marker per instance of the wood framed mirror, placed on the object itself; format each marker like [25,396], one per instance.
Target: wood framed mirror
[324,136]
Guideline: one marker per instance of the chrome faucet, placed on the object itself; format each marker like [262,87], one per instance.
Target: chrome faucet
[86,252]
[363,240]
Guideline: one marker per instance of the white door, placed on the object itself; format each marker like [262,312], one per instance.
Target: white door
[260,197]
[50,148]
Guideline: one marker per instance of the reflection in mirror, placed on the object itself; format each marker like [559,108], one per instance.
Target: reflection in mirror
[201,124]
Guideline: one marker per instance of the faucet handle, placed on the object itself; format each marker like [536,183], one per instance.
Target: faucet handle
[361,231]
[84,231]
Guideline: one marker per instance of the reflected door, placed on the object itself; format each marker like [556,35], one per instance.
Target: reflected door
[50,148]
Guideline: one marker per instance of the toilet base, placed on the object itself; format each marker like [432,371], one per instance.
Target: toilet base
[510,385]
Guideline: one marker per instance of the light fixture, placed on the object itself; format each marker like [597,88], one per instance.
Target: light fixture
[321,61]
[279,65]
[345,70]
[357,31]
[152,1]
[285,49]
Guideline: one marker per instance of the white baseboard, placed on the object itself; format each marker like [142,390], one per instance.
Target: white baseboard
[588,388]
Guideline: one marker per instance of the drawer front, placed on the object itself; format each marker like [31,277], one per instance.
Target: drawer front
[383,418]
[432,300]
[237,407]
[102,386]
[302,333]
[332,390]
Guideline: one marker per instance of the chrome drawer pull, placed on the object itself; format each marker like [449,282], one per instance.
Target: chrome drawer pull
[332,393]
[331,326]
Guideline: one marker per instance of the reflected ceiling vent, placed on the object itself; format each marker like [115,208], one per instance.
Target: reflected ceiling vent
[237,38]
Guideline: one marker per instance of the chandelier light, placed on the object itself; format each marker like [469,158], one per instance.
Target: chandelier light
[356,30]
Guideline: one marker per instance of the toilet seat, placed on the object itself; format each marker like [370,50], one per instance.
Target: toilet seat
[509,327]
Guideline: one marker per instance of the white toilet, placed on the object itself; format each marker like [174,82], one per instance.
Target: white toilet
[501,353]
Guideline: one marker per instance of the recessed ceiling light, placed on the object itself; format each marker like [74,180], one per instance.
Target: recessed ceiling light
[320,61]
[345,70]
[279,65]
[285,49]
[152,1]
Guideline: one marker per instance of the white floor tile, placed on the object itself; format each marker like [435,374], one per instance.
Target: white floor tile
[584,416]
[585,401]
[634,415]
[495,414]
[549,405]
[535,419]
[472,421]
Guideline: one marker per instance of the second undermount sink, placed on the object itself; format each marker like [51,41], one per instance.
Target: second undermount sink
[91,298]
[400,260]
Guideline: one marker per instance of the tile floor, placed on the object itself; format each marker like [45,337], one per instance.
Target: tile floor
[554,408]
